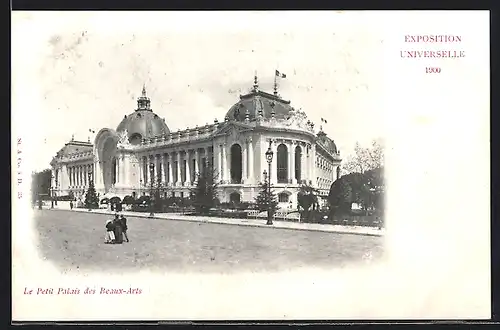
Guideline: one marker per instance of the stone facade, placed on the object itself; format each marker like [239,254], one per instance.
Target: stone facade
[120,161]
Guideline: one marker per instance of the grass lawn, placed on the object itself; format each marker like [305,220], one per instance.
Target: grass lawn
[76,240]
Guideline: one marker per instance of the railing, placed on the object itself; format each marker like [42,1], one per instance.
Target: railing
[280,214]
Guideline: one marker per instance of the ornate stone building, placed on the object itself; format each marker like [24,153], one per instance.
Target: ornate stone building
[120,161]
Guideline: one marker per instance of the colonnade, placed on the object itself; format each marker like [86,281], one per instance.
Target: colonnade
[175,168]
[305,165]
[223,154]
[78,175]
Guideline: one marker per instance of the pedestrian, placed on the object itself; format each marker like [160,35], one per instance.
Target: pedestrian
[123,221]
[110,234]
[71,205]
[118,230]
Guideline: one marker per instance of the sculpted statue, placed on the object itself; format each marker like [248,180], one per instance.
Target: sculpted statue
[297,118]
[123,138]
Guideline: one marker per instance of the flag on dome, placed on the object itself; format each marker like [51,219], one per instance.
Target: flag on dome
[280,74]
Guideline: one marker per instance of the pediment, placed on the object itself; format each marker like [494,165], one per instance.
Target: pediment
[232,128]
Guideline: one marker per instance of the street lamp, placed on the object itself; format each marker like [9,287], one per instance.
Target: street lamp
[152,172]
[269,158]
[51,193]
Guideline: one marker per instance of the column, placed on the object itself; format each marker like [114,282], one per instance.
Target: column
[70,175]
[274,164]
[303,155]
[196,162]
[207,156]
[313,164]
[244,160]
[224,163]
[307,163]
[289,162]
[126,170]
[250,159]
[170,160]
[219,161]
[178,174]
[147,171]
[163,169]
[188,171]
[81,175]
[292,162]
[158,168]
[64,177]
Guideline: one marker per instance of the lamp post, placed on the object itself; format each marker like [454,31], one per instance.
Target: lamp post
[51,192]
[140,187]
[269,158]
[152,172]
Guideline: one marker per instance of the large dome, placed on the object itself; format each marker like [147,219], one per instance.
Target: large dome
[328,143]
[143,123]
[257,101]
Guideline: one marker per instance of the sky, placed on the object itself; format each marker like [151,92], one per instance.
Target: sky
[86,70]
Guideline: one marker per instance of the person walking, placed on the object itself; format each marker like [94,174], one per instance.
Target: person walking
[123,222]
[118,230]
[71,205]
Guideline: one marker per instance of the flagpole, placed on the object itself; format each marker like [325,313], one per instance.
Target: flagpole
[275,82]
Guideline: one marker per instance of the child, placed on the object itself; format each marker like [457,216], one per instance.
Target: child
[110,232]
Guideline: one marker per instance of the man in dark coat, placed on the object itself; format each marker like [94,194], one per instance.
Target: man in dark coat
[118,230]
[123,222]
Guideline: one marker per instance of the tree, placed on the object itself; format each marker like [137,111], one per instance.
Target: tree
[365,159]
[363,179]
[362,188]
[307,197]
[266,198]
[204,194]
[91,199]
[40,184]
[340,196]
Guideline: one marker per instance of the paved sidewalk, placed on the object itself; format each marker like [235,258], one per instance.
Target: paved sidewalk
[355,230]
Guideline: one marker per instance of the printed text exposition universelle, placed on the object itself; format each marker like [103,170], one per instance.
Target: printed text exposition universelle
[431,40]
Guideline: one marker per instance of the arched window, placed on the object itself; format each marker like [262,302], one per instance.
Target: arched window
[283,197]
[236,163]
[282,164]
[135,139]
[298,163]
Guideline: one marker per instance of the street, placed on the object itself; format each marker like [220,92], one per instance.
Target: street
[75,240]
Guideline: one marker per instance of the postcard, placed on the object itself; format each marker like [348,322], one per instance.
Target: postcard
[279,165]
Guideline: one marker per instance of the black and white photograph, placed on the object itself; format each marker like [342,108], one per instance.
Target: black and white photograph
[235,165]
